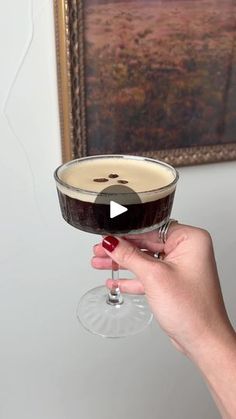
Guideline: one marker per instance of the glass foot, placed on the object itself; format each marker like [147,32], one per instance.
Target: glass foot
[101,318]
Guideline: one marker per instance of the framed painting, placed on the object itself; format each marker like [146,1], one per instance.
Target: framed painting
[148,77]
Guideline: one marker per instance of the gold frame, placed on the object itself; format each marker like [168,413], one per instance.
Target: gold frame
[72,103]
[70,76]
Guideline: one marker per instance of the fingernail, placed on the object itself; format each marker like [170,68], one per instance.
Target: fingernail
[109,243]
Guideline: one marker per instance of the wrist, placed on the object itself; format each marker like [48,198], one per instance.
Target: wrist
[216,359]
[213,344]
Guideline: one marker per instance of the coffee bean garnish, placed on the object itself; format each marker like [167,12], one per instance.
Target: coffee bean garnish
[101,179]
[113,176]
[122,181]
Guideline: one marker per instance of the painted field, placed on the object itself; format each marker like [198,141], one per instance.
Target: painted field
[160,74]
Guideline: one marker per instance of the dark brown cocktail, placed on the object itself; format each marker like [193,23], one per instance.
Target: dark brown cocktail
[145,187]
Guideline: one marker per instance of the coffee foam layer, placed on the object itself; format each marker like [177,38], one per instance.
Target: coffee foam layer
[95,175]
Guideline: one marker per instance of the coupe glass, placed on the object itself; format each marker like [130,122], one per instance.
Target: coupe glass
[102,311]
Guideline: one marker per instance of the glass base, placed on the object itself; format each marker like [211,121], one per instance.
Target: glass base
[101,318]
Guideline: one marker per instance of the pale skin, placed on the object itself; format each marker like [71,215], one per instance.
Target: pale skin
[184,294]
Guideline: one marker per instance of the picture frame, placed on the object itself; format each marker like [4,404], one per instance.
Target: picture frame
[72,68]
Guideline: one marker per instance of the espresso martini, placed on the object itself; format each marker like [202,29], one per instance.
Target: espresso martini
[144,186]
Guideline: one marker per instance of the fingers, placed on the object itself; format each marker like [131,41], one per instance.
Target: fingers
[102,262]
[175,235]
[105,262]
[149,241]
[152,246]
[129,286]
[99,251]
[129,256]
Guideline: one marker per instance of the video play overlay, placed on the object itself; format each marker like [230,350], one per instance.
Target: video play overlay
[116,207]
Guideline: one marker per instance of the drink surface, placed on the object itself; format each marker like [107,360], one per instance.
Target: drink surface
[89,177]
[82,186]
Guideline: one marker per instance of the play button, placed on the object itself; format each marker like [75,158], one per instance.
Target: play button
[116,209]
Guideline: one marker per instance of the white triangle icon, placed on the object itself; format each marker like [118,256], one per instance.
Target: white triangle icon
[116,209]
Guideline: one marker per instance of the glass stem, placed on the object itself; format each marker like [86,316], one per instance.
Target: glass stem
[114,296]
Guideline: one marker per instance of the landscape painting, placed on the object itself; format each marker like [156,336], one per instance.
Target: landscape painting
[160,78]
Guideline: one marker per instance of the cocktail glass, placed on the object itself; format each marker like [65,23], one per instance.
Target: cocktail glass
[101,311]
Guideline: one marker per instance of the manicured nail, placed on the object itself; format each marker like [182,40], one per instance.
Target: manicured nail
[109,243]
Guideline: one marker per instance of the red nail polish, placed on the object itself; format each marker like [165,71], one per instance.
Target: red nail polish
[109,243]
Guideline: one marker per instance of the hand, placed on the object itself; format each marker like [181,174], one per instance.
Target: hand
[184,293]
[183,289]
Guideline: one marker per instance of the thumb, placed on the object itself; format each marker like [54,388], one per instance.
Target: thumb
[130,257]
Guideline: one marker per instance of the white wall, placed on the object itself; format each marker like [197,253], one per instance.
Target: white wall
[50,367]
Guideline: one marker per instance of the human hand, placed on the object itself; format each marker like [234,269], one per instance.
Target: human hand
[183,289]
